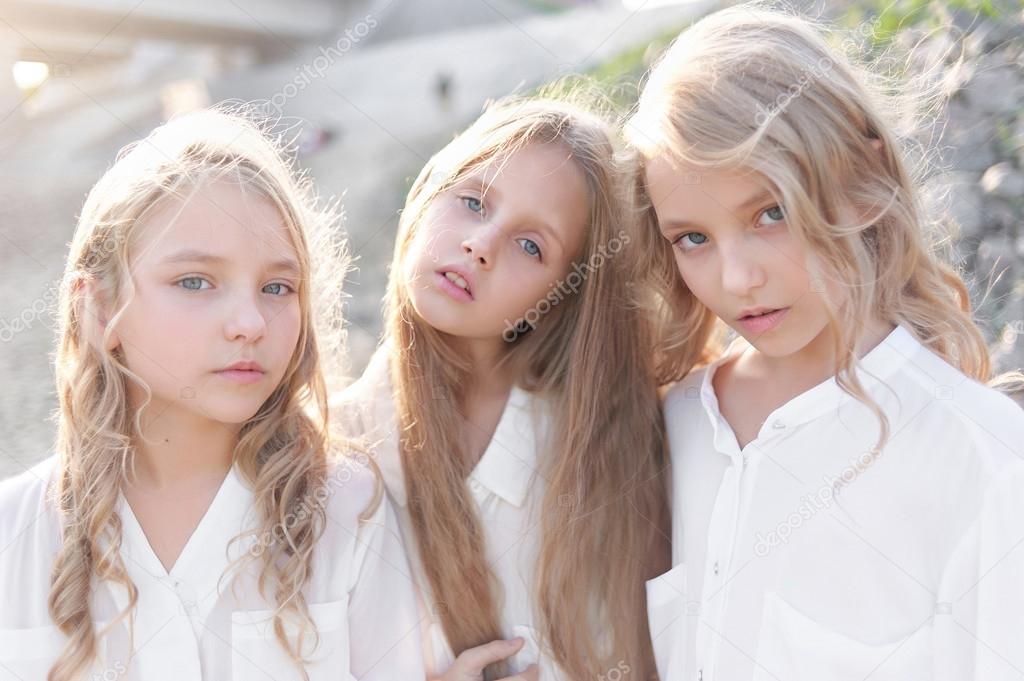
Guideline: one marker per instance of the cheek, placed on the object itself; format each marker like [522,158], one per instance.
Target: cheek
[284,329]
[436,238]
[163,345]
[161,320]
[527,282]
[699,276]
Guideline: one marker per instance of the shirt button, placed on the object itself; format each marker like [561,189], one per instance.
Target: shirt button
[700,675]
[715,568]
[778,425]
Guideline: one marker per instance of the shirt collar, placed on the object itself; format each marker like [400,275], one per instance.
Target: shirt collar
[508,464]
[882,361]
[207,554]
[373,396]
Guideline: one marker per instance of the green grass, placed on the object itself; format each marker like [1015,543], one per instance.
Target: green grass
[888,17]
[619,77]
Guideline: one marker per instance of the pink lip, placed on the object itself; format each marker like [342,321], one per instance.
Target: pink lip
[242,372]
[241,376]
[457,292]
[763,323]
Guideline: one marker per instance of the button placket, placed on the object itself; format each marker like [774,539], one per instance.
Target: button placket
[721,549]
[173,647]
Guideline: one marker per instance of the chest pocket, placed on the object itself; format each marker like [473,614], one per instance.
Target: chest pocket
[257,653]
[28,654]
[794,647]
[667,620]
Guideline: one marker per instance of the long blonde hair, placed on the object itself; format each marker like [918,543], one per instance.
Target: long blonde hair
[281,451]
[760,89]
[604,507]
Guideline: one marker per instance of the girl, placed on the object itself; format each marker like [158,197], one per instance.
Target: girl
[842,477]
[513,407]
[191,525]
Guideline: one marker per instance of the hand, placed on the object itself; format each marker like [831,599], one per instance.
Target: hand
[470,664]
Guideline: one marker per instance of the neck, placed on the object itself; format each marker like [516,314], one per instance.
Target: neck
[487,373]
[816,362]
[181,448]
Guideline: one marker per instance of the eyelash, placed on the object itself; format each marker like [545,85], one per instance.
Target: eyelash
[538,255]
[181,281]
[677,240]
[466,199]
[522,245]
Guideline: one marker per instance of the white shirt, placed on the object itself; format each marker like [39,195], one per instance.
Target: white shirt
[797,558]
[187,626]
[508,489]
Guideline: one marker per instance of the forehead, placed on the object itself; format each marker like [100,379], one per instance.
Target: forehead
[541,182]
[677,187]
[547,167]
[225,218]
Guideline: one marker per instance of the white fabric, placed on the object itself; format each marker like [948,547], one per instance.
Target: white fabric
[801,558]
[191,625]
[508,489]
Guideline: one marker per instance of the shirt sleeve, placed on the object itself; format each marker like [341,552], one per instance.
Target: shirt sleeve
[979,619]
[383,620]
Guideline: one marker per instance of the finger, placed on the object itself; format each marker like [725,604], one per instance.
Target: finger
[473,660]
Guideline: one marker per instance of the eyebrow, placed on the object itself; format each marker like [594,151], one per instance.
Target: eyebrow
[745,205]
[191,255]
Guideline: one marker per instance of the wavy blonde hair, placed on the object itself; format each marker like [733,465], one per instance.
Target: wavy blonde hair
[759,89]
[604,508]
[281,451]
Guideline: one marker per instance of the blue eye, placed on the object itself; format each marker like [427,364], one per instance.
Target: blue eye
[473,203]
[194,283]
[530,247]
[690,240]
[279,289]
[775,214]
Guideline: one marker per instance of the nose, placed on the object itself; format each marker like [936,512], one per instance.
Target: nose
[245,320]
[741,269]
[482,244]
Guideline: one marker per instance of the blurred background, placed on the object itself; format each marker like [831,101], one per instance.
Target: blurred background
[373,88]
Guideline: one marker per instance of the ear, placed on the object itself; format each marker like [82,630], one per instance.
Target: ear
[877,144]
[95,314]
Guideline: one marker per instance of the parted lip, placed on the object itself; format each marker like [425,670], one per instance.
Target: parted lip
[243,366]
[750,312]
[462,272]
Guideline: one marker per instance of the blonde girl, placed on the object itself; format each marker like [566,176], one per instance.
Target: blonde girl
[512,403]
[842,476]
[191,524]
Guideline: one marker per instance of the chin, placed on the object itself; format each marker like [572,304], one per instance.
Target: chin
[775,344]
[433,315]
[232,414]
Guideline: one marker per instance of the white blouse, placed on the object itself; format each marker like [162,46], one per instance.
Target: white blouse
[802,557]
[189,624]
[507,487]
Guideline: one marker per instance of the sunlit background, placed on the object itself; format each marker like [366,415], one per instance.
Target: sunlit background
[372,89]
